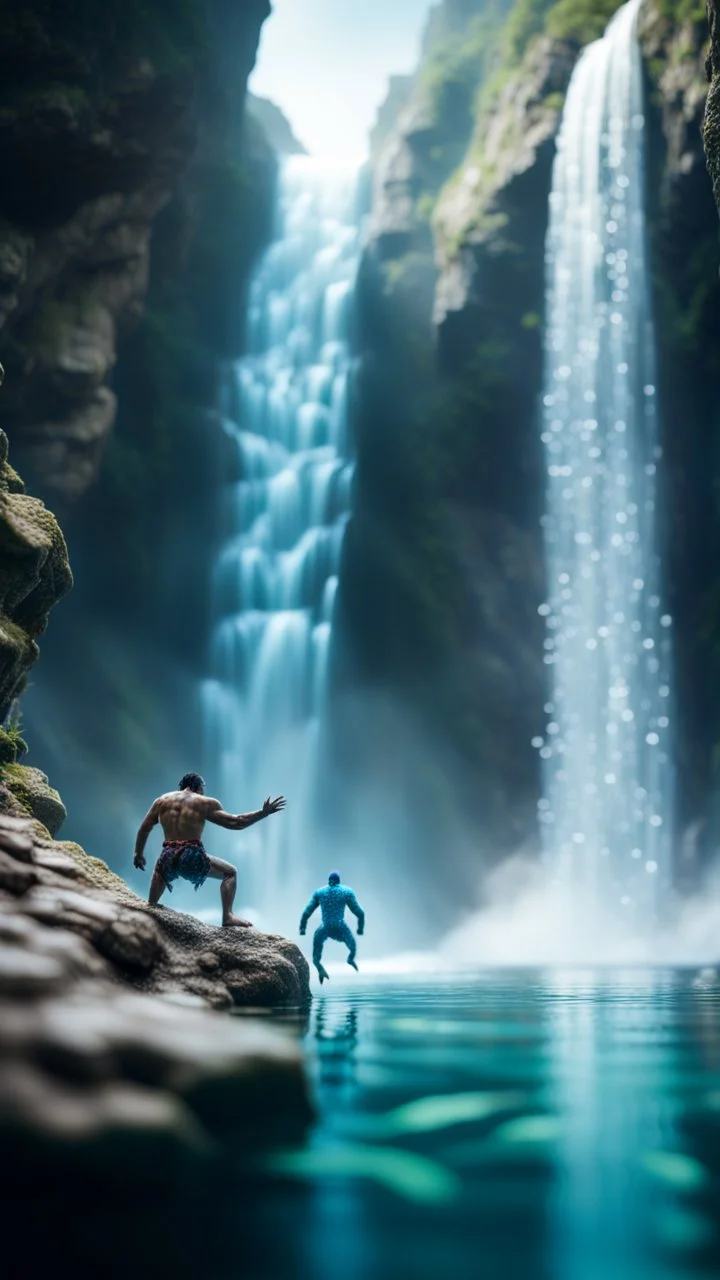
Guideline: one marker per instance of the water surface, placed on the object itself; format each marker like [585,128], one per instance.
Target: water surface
[514,1124]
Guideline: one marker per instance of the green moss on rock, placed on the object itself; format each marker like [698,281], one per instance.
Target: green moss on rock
[32,790]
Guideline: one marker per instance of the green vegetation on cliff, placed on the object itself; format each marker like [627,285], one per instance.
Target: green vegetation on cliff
[80,43]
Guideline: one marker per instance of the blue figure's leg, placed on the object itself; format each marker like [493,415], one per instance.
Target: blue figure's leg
[319,940]
[346,935]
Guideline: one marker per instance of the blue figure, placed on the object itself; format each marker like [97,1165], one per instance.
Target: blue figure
[332,900]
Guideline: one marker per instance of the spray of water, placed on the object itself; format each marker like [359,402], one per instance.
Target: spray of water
[606,814]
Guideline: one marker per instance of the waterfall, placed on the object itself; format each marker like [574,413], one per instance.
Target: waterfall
[606,812]
[277,573]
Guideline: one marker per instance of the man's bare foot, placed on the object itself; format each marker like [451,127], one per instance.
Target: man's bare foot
[353,965]
[235,920]
[322,973]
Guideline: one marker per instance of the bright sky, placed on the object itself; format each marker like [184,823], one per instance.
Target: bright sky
[326,63]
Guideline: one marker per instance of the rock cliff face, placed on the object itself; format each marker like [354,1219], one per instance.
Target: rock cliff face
[712,118]
[683,238]
[86,176]
[34,575]
[128,305]
[452,300]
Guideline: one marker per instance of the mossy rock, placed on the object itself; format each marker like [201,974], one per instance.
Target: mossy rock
[33,792]
[97,872]
[12,745]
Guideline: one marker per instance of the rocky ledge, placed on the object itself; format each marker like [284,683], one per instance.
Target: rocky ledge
[108,1030]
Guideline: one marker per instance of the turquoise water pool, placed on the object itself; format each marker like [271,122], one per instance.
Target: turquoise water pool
[514,1124]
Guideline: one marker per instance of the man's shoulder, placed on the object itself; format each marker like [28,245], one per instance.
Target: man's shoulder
[166,798]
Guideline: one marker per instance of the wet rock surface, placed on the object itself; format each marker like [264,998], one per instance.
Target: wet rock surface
[711,129]
[109,1040]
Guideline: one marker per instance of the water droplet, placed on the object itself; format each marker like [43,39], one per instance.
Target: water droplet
[651,867]
[652,739]
[648,644]
[610,779]
[636,853]
[537,742]
[656,820]
[666,620]
[544,610]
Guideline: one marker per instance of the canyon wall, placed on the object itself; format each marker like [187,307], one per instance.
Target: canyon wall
[444,561]
[141,196]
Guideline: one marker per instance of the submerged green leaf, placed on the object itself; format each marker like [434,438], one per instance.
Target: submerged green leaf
[682,1172]
[414,1177]
[528,1130]
[440,1111]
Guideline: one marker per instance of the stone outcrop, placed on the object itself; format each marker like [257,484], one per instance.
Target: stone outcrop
[34,575]
[105,1031]
[275,126]
[59,887]
[491,218]
[88,1065]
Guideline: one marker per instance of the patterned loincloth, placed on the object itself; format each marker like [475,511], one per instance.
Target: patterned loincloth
[186,859]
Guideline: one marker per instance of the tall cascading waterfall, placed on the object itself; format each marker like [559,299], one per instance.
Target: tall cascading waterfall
[277,574]
[606,812]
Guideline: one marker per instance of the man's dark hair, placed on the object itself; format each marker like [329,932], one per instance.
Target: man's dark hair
[334,877]
[192,782]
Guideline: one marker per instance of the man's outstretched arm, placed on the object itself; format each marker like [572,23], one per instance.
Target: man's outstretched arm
[149,821]
[354,906]
[239,821]
[311,906]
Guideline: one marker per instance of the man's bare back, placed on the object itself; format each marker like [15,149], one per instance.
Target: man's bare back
[182,815]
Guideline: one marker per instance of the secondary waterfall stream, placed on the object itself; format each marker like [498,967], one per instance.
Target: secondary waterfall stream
[606,812]
[277,574]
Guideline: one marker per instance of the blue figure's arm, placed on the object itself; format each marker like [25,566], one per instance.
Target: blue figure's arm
[353,905]
[312,905]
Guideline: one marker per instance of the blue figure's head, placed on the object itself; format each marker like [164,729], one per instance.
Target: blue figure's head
[333,878]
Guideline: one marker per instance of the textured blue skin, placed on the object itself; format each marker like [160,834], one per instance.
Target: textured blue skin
[332,900]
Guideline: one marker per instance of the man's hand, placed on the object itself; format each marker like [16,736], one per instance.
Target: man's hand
[302,930]
[139,861]
[273,806]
